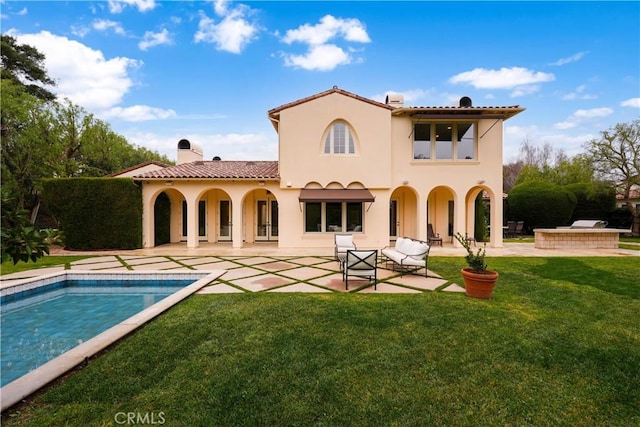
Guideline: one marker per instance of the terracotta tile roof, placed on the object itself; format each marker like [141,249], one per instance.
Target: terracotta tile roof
[139,166]
[274,111]
[217,169]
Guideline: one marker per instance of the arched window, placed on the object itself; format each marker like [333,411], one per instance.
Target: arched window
[339,139]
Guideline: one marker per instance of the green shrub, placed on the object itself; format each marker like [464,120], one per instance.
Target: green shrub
[594,200]
[541,204]
[96,213]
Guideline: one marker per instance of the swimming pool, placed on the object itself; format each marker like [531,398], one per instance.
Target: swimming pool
[69,316]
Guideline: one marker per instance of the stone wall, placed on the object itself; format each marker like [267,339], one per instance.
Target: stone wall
[564,238]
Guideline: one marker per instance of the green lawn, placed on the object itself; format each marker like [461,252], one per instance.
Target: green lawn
[9,267]
[558,345]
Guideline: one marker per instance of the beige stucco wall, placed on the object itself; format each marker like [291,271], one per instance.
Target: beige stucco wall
[383,163]
[301,143]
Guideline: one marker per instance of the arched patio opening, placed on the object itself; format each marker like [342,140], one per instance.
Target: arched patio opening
[214,216]
[482,210]
[441,211]
[403,213]
[261,216]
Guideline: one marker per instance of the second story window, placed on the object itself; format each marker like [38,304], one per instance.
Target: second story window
[339,139]
[444,141]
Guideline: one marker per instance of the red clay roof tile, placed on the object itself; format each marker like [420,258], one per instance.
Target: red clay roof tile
[217,169]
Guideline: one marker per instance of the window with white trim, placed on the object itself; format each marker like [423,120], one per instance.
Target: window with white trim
[339,139]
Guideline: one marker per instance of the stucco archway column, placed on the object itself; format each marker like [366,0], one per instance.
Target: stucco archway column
[422,216]
[192,221]
[459,215]
[496,221]
[236,222]
[148,231]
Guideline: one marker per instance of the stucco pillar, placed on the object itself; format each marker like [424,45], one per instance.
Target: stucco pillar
[148,234]
[236,223]
[192,222]
[422,216]
[459,216]
[497,207]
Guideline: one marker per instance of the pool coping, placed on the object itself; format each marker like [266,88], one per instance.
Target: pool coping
[29,383]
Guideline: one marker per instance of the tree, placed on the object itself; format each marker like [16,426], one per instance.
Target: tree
[23,62]
[616,156]
[24,142]
[20,240]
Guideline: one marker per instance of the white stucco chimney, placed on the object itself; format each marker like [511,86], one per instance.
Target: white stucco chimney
[188,152]
[395,100]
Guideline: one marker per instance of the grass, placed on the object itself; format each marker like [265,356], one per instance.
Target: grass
[559,344]
[8,267]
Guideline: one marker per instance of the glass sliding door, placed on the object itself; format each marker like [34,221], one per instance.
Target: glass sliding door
[267,219]
[202,220]
[224,220]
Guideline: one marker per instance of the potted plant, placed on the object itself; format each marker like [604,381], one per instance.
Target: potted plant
[478,281]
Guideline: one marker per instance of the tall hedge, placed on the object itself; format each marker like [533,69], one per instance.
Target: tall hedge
[541,204]
[594,200]
[96,213]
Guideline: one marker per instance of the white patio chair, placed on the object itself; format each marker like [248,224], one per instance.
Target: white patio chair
[343,242]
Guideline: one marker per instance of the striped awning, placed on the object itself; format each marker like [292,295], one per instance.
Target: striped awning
[336,195]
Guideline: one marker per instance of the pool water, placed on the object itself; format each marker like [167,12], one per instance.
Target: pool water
[39,325]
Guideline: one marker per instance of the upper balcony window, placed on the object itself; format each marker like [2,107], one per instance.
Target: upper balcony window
[444,141]
[339,139]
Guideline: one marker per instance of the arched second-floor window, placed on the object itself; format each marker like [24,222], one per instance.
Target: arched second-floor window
[339,139]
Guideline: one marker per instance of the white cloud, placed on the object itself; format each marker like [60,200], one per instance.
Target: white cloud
[573,58]
[138,113]
[233,33]
[593,113]
[328,28]
[583,116]
[232,146]
[522,80]
[514,136]
[83,74]
[322,55]
[105,24]
[117,6]
[631,102]
[152,39]
[578,93]
[22,12]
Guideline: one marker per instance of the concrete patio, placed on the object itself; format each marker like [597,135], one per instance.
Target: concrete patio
[260,273]
[266,268]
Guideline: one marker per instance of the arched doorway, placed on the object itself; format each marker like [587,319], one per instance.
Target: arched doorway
[441,211]
[403,213]
[265,214]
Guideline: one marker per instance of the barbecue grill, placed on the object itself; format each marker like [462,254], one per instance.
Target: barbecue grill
[589,223]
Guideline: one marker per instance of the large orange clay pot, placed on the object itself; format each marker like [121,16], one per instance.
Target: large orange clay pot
[479,285]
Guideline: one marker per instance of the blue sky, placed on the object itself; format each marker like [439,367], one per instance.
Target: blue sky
[160,71]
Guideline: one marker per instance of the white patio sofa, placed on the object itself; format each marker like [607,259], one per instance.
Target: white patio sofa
[408,254]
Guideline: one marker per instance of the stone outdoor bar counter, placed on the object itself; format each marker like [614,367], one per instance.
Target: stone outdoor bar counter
[576,238]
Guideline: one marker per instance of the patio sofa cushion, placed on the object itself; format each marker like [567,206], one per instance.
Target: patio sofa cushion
[407,252]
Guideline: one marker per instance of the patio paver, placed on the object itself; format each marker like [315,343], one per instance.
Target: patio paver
[271,273]
[262,282]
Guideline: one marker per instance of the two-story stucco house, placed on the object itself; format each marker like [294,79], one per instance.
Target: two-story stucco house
[346,164]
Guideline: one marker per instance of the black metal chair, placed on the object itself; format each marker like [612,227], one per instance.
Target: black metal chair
[433,237]
[361,263]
